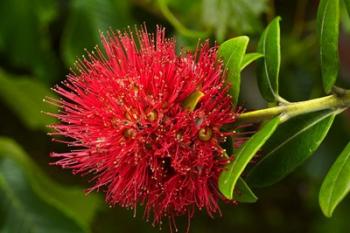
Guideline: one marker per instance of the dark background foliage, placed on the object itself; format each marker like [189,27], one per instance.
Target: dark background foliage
[41,39]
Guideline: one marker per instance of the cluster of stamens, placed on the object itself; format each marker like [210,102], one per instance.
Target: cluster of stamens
[147,124]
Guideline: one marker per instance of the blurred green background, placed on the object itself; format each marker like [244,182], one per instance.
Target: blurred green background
[41,39]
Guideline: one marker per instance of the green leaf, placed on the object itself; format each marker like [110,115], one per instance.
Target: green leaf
[22,210]
[166,12]
[243,193]
[239,16]
[86,19]
[25,37]
[232,52]
[328,31]
[25,97]
[269,46]
[292,143]
[336,185]
[69,200]
[249,58]
[229,177]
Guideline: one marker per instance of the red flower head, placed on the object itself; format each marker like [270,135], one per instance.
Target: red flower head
[147,124]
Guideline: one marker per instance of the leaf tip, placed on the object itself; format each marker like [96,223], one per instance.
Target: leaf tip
[327,212]
[223,188]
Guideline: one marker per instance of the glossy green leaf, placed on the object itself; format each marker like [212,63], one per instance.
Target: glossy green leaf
[86,19]
[243,193]
[328,30]
[269,46]
[69,200]
[22,210]
[249,58]
[25,97]
[232,52]
[336,185]
[292,143]
[229,177]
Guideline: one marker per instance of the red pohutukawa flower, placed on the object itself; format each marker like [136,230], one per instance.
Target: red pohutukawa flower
[147,124]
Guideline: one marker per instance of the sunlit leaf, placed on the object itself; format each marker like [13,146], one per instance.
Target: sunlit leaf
[229,177]
[292,143]
[328,30]
[69,200]
[269,67]
[24,96]
[336,184]
[232,52]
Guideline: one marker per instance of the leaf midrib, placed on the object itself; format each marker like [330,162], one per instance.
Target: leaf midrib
[295,135]
[322,30]
[265,65]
